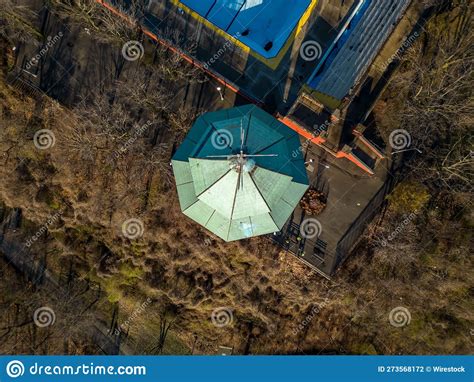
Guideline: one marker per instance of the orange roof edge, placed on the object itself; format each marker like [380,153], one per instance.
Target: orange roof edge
[355,160]
[301,130]
[181,54]
[319,141]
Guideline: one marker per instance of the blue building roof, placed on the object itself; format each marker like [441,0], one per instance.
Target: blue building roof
[358,45]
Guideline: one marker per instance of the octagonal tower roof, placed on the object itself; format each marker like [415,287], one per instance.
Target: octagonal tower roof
[240,173]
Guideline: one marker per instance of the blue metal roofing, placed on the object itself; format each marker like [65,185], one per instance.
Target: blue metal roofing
[255,23]
[357,47]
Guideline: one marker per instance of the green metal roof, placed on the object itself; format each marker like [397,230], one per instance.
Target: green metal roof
[233,197]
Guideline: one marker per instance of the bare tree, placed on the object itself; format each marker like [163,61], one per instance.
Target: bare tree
[168,316]
[437,103]
[104,25]
[16,22]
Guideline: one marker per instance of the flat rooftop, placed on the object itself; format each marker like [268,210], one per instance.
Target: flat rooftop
[349,193]
[264,26]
